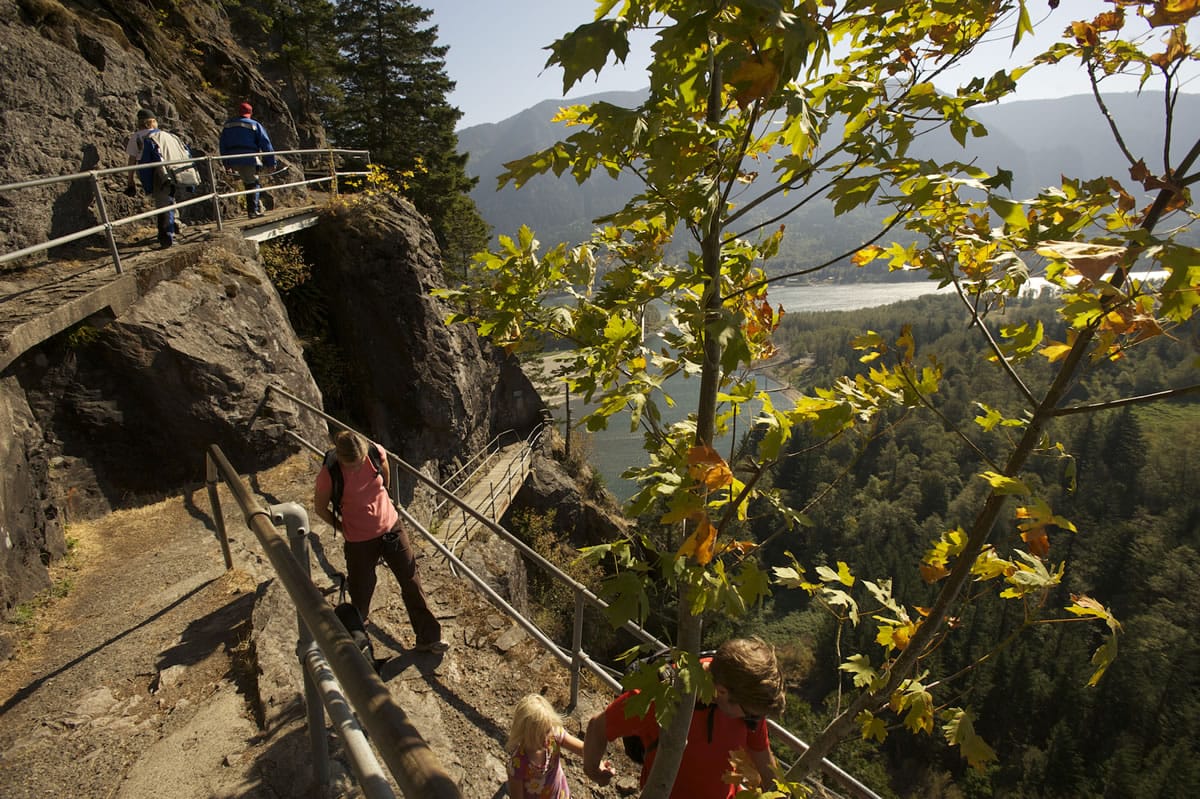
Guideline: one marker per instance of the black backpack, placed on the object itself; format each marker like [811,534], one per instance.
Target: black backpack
[338,483]
[635,747]
[350,618]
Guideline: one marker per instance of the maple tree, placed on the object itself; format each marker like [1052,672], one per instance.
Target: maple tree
[754,99]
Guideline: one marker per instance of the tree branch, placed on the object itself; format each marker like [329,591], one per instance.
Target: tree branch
[1170,393]
[977,320]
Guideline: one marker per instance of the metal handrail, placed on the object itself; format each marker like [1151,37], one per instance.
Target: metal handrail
[412,763]
[108,225]
[509,479]
[452,483]
[577,658]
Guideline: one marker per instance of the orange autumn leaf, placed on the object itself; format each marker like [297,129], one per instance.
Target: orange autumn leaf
[754,79]
[1110,20]
[701,544]
[932,572]
[706,466]
[1085,34]
[1037,541]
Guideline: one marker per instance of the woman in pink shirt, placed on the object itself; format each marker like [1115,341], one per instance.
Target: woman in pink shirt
[372,529]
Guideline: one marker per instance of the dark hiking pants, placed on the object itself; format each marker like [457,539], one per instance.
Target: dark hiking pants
[361,560]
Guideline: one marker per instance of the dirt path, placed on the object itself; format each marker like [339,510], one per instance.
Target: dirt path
[156,673]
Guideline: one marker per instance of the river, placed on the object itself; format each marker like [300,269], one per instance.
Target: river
[615,449]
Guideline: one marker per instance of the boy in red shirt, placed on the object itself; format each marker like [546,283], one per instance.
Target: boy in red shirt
[747,688]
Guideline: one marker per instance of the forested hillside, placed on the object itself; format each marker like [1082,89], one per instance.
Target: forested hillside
[876,500]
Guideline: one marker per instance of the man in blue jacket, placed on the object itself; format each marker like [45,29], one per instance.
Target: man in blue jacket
[247,137]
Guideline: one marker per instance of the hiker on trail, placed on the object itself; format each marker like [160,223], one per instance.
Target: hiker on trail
[157,182]
[536,739]
[245,136]
[355,501]
[133,147]
[747,688]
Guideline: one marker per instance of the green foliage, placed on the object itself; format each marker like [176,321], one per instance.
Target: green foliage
[827,100]
[285,265]
[296,40]
[393,81]
[554,602]
[82,336]
[879,516]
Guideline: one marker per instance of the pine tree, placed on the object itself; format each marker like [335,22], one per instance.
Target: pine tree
[394,85]
[307,49]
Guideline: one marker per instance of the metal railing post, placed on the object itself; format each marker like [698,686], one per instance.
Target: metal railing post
[295,518]
[333,182]
[216,195]
[362,759]
[218,516]
[108,228]
[576,649]
[407,755]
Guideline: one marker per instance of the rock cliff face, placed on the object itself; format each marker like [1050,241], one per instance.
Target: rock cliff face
[431,393]
[74,74]
[122,407]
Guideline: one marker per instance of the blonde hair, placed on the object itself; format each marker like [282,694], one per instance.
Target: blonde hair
[533,722]
[349,448]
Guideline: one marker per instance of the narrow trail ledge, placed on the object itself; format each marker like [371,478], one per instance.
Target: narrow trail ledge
[157,673]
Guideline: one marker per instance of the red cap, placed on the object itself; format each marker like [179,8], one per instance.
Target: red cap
[245,109]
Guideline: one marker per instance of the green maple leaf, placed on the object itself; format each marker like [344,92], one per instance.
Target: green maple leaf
[587,49]
[861,670]
[960,731]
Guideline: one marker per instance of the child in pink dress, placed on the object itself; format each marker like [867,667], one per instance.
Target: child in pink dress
[536,739]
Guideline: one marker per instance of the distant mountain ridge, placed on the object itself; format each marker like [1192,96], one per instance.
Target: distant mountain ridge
[1037,140]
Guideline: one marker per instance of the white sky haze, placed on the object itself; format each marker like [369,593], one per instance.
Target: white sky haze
[496,54]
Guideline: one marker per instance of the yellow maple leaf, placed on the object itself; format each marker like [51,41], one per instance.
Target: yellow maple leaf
[1172,12]
[866,255]
[1055,352]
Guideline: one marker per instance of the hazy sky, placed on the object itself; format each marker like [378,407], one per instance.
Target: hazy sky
[496,54]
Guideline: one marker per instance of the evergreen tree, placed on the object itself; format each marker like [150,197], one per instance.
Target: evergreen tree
[295,42]
[394,85]
[307,49]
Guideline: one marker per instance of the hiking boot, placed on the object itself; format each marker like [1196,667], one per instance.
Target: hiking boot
[436,647]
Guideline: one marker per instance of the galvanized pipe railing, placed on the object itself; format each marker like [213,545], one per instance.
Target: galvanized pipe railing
[513,479]
[577,659]
[108,225]
[412,764]
[475,463]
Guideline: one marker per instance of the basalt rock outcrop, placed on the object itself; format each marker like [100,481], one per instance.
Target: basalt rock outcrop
[433,394]
[118,408]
